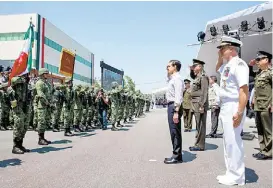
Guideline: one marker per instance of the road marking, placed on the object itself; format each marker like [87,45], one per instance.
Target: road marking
[152,160]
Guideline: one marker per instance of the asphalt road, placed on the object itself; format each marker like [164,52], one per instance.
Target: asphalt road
[132,157]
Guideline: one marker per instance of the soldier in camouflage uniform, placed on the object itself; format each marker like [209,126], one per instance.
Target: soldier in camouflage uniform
[109,110]
[96,109]
[121,105]
[131,104]
[32,94]
[49,110]
[114,94]
[148,103]
[126,105]
[26,99]
[43,100]
[137,104]
[91,106]
[57,101]
[79,96]
[68,106]
[84,107]
[4,106]
[20,127]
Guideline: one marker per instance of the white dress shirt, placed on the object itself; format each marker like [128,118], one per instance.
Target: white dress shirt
[175,89]
[234,75]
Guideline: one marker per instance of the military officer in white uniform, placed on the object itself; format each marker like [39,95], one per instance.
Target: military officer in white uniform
[233,93]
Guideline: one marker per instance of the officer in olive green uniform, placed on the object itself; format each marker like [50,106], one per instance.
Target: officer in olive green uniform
[263,105]
[199,100]
[187,112]
[43,97]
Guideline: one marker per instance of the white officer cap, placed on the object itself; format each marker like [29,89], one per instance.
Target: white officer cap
[230,41]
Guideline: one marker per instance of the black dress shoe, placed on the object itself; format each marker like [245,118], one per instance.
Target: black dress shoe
[195,148]
[260,156]
[173,161]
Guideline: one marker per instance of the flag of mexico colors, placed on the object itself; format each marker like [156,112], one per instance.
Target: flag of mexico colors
[23,63]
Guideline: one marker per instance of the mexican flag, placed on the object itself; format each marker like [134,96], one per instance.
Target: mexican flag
[23,63]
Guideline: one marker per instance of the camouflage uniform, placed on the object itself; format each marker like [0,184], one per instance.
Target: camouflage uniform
[121,105]
[58,99]
[114,94]
[131,106]
[20,127]
[68,107]
[84,107]
[126,106]
[32,117]
[49,110]
[96,110]
[78,107]
[109,110]
[91,106]
[43,99]
[4,106]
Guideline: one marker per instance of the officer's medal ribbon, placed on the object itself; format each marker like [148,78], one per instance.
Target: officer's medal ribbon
[225,76]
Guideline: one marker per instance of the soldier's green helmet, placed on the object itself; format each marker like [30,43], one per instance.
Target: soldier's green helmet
[3,85]
[78,86]
[43,71]
[16,80]
[57,85]
[120,87]
[114,85]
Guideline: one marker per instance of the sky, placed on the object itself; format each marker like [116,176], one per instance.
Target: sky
[138,37]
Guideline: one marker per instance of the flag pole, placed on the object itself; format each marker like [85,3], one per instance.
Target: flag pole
[72,77]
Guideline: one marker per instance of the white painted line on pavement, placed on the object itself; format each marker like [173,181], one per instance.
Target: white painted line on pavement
[152,160]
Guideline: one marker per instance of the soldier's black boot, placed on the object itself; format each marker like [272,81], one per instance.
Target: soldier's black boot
[77,128]
[16,147]
[114,127]
[67,132]
[22,147]
[49,142]
[92,125]
[125,120]
[42,140]
[119,125]
[56,128]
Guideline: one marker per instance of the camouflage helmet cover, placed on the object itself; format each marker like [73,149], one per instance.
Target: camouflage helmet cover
[114,84]
[3,85]
[43,71]
[16,80]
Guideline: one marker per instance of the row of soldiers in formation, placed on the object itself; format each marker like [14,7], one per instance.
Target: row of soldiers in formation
[38,104]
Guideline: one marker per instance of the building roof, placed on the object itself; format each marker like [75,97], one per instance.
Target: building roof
[245,12]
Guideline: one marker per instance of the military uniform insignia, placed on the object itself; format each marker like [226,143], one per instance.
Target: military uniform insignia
[226,72]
